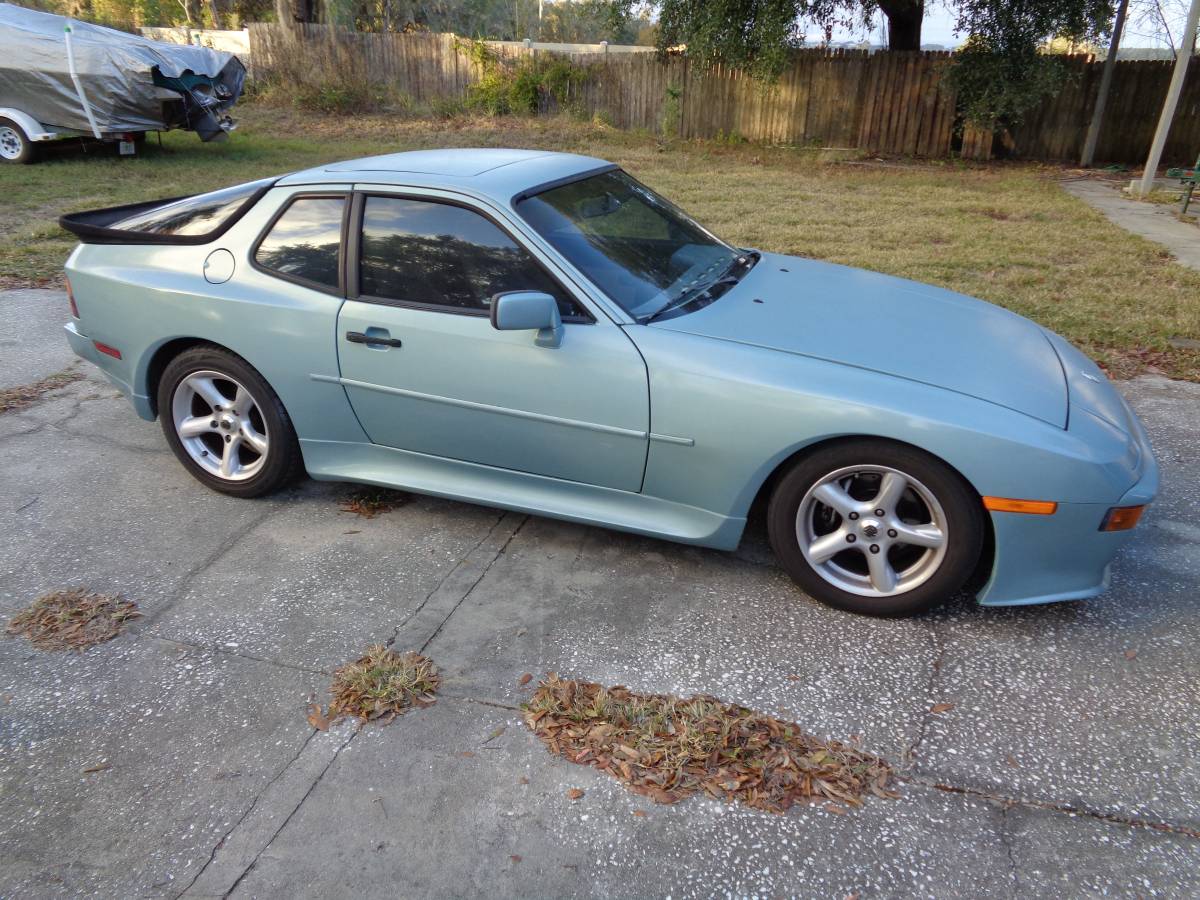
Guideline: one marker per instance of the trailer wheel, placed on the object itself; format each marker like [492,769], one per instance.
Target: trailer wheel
[15,146]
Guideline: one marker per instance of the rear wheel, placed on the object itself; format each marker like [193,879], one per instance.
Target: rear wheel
[876,527]
[15,146]
[226,425]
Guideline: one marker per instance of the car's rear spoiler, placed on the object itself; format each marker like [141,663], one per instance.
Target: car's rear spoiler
[94,226]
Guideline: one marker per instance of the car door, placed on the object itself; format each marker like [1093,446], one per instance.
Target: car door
[426,371]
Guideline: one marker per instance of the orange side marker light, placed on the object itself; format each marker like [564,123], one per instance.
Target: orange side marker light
[1031,507]
[1122,518]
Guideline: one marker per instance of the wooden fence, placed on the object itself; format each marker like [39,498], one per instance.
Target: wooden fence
[892,103]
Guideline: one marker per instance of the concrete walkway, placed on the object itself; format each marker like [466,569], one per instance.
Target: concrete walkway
[1153,221]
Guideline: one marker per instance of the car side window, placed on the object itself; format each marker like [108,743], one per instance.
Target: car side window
[439,255]
[305,242]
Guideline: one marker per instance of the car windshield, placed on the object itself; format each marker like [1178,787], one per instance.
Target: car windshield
[643,252]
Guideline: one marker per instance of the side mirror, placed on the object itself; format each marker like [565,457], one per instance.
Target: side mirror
[528,310]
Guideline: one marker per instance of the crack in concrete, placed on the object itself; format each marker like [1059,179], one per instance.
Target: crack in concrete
[474,584]
[909,757]
[242,818]
[1051,806]
[258,855]
[295,809]
[219,551]
[216,648]
[1006,839]
[437,587]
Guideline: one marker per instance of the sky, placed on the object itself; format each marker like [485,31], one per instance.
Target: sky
[938,26]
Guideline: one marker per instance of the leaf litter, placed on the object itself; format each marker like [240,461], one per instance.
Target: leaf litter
[380,685]
[12,399]
[369,502]
[73,620]
[669,748]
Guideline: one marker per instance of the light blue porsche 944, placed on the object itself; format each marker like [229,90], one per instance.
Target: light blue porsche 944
[541,332]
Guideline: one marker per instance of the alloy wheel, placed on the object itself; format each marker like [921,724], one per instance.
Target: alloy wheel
[872,530]
[220,425]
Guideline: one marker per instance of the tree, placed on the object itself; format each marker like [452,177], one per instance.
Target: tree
[1001,72]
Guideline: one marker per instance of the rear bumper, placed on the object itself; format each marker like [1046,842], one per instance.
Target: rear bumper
[83,347]
[1065,556]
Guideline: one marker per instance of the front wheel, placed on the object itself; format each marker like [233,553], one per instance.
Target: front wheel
[226,425]
[876,527]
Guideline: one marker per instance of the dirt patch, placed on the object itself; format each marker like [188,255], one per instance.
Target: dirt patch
[381,685]
[370,502]
[73,620]
[669,748]
[25,395]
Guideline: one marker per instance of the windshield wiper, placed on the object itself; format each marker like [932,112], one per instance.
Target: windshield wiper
[733,273]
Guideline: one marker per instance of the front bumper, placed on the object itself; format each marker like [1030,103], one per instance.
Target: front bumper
[1065,556]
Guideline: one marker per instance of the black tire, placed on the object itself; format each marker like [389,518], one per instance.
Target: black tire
[277,467]
[963,513]
[13,134]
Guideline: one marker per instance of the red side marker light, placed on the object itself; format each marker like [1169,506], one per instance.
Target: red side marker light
[107,350]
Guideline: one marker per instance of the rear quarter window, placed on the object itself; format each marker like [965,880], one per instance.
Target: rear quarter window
[304,242]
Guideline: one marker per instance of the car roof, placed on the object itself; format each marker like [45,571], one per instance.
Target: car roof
[499,174]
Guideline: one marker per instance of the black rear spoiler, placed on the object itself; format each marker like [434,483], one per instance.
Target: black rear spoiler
[94,226]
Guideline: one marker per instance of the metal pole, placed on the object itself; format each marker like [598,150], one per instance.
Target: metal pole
[1110,63]
[83,101]
[1186,47]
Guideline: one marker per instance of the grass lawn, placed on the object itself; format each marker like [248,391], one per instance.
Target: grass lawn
[1005,233]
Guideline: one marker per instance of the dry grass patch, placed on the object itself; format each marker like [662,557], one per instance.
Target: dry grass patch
[669,748]
[383,684]
[12,399]
[73,620]
[369,502]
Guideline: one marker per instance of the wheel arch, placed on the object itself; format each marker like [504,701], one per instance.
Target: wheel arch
[766,486]
[161,357]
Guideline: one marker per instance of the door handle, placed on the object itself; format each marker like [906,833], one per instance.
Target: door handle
[377,340]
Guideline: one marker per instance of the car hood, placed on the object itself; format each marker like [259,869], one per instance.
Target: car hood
[890,325]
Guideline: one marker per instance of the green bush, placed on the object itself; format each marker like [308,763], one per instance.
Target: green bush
[518,87]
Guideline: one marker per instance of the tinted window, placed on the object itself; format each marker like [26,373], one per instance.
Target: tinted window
[641,250]
[305,240]
[414,251]
[194,215]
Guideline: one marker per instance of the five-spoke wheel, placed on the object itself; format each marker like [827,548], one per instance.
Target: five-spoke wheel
[876,527]
[226,424]
[220,424]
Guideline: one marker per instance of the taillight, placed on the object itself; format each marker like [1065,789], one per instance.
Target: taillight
[71,300]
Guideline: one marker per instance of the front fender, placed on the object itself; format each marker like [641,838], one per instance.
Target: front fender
[748,409]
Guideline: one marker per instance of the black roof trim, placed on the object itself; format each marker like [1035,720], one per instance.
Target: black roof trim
[92,226]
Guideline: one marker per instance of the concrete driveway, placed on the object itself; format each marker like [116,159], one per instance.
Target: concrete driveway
[1069,764]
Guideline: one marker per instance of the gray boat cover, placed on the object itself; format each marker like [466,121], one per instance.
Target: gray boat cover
[115,70]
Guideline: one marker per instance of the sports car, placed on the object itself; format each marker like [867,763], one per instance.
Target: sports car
[541,332]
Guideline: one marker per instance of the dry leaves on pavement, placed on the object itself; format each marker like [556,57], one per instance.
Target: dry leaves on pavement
[382,684]
[12,399]
[370,502]
[73,620]
[668,748]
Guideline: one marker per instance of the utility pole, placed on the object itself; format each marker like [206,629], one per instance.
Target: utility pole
[1110,63]
[1186,48]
